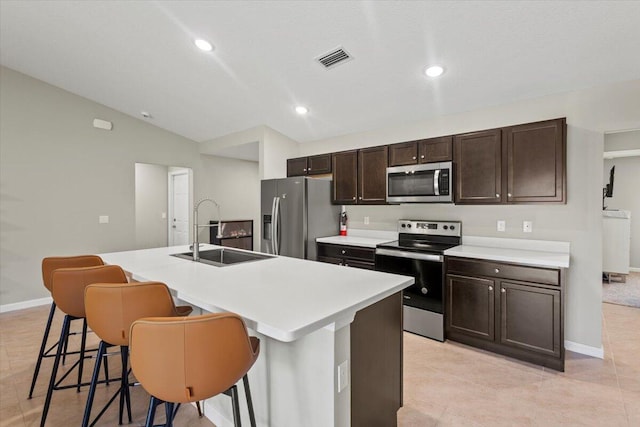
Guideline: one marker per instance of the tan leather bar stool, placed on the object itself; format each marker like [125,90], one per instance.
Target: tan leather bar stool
[67,289]
[192,359]
[49,265]
[111,309]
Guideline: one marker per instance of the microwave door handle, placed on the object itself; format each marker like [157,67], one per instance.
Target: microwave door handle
[436,182]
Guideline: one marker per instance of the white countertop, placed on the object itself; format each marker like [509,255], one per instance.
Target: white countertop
[283,298]
[367,242]
[615,213]
[521,251]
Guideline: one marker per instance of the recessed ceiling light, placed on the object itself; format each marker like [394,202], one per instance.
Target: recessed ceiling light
[203,45]
[302,110]
[434,71]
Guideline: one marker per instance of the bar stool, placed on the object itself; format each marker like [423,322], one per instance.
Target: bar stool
[49,265]
[67,289]
[191,359]
[111,309]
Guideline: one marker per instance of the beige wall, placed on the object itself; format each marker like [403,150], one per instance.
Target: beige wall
[589,114]
[151,195]
[58,174]
[235,186]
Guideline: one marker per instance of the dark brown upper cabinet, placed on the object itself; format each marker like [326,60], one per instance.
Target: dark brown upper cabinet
[372,175]
[516,164]
[312,165]
[478,171]
[422,151]
[345,177]
[535,162]
[359,176]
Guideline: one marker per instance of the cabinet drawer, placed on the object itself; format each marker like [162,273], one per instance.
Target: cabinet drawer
[474,267]
[339,251]
[330,260]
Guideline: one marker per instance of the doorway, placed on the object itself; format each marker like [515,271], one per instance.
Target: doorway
[178,207]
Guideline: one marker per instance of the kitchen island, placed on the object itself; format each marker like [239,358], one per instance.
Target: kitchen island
[304,313]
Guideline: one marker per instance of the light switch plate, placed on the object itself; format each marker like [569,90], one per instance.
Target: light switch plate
[527,226]
[343,375]
[366,220]
[501,225]
[103,219]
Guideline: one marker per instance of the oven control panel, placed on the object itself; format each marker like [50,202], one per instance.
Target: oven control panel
[436,228]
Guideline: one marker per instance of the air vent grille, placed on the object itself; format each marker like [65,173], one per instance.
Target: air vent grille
[333,58]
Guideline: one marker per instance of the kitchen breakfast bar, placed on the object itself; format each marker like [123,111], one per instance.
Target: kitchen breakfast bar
[331,337]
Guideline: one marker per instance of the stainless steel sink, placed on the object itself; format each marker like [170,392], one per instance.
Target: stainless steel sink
[224,256]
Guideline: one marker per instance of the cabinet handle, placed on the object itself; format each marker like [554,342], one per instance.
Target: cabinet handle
[343,252]
[490,288]
[304,170]
[346,265]
[308,169]
[360,197]
[422,157]
[414,157]
[503,290]
[496,270]
[354,197]
[497,194]
[509,194]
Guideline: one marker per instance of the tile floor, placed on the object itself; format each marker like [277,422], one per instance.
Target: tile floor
[445,384]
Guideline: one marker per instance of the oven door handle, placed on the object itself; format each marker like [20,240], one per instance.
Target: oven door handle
[411,255]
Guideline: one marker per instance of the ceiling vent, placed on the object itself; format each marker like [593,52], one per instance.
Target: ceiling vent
[335,57]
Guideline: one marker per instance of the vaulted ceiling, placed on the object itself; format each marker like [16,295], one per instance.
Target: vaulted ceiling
[138,56]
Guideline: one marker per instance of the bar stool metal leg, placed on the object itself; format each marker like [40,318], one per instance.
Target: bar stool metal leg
[83,344]
[43,346]
[247,392]
[151,413]
[54,372]
[236,407]
[94,380]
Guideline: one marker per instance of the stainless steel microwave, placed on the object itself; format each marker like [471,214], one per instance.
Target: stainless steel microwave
[427,183]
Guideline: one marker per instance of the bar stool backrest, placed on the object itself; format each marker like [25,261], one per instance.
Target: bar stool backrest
[50,264]
[112,308]
[68,285]
[190,359]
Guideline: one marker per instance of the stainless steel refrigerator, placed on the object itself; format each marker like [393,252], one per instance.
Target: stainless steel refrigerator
[294,212]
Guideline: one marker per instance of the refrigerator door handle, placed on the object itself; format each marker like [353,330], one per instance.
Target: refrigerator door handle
[276,221]
[273,226]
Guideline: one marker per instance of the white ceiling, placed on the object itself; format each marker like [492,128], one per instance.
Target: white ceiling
[134,56]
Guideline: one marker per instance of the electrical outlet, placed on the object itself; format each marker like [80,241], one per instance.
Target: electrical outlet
[501,225]
[163,215]
[366,220]
[343,375]
[103,219]
[527,226]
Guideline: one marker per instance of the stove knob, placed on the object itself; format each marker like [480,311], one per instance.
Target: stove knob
[452,227]
[403,225]
[424,290]
[408,225]
[445,227]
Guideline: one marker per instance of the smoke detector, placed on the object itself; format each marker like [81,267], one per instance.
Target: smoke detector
[334,57]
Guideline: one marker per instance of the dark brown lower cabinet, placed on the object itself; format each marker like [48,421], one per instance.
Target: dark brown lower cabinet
[376,361]
[506,308]
[349,256]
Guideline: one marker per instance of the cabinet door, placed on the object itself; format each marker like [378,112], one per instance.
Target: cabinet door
[436,150]
[372,179]
[405,153]
[478,171]
[535,162]
[470,306]
[317,165]
[345,178]
[530,318]
[297,167]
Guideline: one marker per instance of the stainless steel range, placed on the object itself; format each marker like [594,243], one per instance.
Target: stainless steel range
[419,253]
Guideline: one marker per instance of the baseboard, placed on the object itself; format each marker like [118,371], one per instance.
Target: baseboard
[4,308]
[634,269]
[214,416]
[584,349]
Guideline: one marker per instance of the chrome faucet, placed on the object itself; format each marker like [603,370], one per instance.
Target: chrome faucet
[196,244]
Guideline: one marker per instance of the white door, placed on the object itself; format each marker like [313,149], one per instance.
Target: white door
[179,203]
